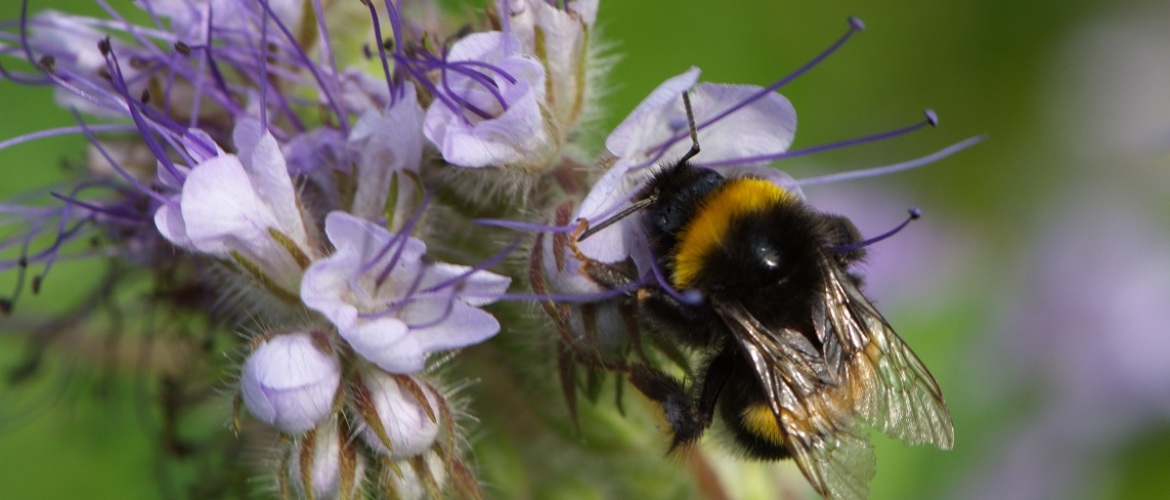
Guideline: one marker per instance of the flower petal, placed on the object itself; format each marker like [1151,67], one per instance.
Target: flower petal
[386,343]
[630,137]
[452,324]
[387,143]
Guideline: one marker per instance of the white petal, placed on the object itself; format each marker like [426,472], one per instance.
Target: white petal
[387,143]
[629,137]
[459,325]
[765,126]
[274,187]
[477,288]
[325,286]
[169,221]
[488,46]
[386,343]
[357,236]
[219,204]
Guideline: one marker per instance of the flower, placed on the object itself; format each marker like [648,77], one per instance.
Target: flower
[243,207]
[411,483]
[390,305]
[334,466]
[741,123]
[342,167]
[290,381]
[400,414]
[389,149]
[558,35]
[489,106]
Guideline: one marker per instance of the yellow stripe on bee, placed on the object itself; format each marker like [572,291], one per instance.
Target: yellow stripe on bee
[708,228]
[761,422]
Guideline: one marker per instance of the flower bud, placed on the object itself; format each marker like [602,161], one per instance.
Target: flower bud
[326,463]
[290,382]
[397,425]
[418,477]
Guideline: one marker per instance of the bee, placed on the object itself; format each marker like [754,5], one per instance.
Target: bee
[794,358]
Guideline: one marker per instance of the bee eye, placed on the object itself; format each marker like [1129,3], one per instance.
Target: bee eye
[768,256]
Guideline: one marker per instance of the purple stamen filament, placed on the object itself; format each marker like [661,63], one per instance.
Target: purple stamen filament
[823,147]
[658,151]
[688,297]
[915,214]
[890,169]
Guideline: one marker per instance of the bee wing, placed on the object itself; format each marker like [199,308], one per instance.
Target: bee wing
[804,397]
[892,389]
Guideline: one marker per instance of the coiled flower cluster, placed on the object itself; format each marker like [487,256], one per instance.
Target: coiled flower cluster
[360,187]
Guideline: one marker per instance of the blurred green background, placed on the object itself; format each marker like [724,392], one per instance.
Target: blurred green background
[1033,289]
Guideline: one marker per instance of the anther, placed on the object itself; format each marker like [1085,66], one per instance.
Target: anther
[48,64]
[104,46]
[932,118]
[145,97]
[856,23]
[183,48]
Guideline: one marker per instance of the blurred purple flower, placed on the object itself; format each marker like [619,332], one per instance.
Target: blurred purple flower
[1089,329]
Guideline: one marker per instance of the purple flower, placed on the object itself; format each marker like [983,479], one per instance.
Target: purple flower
[290,381]
[388,145]
[489,109]
[559,37]
[190,19]
[243,207]
[393,307]
[737,124]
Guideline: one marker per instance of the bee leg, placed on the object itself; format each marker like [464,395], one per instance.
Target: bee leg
[689,325]
[678,406]
[717,373]
[688,414]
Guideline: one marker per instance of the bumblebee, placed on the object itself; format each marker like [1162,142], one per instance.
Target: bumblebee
[795,359]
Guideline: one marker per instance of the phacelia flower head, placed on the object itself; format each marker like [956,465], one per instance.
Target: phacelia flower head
[320,154]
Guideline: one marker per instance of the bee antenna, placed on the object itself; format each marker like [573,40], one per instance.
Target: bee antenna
[915,214]
[694,130]
[634,207]
[640,204]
